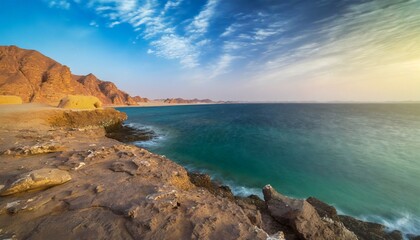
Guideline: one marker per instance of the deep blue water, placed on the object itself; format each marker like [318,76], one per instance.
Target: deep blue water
[362,158]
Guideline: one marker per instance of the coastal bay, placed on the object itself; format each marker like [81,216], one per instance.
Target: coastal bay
[121,191]
[362,158]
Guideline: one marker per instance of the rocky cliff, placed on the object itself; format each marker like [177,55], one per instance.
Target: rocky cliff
[140,99]
[37,78]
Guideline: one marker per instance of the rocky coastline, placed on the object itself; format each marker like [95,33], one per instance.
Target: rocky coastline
[64,177]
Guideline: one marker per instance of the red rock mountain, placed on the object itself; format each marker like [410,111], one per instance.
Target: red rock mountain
[140,99]
[37,78]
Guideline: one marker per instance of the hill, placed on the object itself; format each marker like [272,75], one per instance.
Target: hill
[37,78]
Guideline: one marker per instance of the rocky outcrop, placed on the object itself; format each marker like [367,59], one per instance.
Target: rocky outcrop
[117,191]
[204,181]
[37,78]
[324,210]
[369,230]
[115,95]
[128,134]
[140,99]
[37,179]
[7,99]
[48,147]
[295,218]
[363,230]
[107,118]
[80,102]
[303,218]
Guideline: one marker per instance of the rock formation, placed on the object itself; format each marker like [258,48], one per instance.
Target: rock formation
[140,99]
[106,118]
[7,99]
[303,218]
[80,102]
[37,179]
[37,78]
[363,230]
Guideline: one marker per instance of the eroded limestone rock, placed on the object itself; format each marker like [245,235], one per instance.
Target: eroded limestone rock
[35,149]
[303,218]
[37,179]
[80,102]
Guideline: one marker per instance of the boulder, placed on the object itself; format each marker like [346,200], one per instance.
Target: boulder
[323,209]
[37,179]
[9,99]
[302,217]
[204,181]
[80,102]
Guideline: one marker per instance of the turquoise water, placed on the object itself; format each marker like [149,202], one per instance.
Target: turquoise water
[362,158]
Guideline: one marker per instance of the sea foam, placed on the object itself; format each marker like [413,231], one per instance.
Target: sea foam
[405,222]
[159,135]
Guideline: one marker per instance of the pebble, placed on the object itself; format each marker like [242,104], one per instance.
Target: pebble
[99,189]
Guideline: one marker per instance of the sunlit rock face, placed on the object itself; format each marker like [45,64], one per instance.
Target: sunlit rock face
[37,78]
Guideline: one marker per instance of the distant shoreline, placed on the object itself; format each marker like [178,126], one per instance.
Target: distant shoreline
[154,104]
[159,104]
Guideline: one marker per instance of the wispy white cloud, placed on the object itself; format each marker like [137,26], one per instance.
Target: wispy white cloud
[273,41]
[149,19]
[221,66]
[228,31]
[201,22]
[127,5]
[172,46]
[262,34]
[100,9]
[353,51]
[93,24]
[245,39]
[113,24]
[171,4]
[63,4]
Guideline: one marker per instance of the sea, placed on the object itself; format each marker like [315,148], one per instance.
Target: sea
[364,159]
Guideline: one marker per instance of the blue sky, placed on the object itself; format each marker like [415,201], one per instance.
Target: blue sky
[259,50]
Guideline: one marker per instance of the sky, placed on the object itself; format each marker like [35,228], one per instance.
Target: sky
[249,50]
